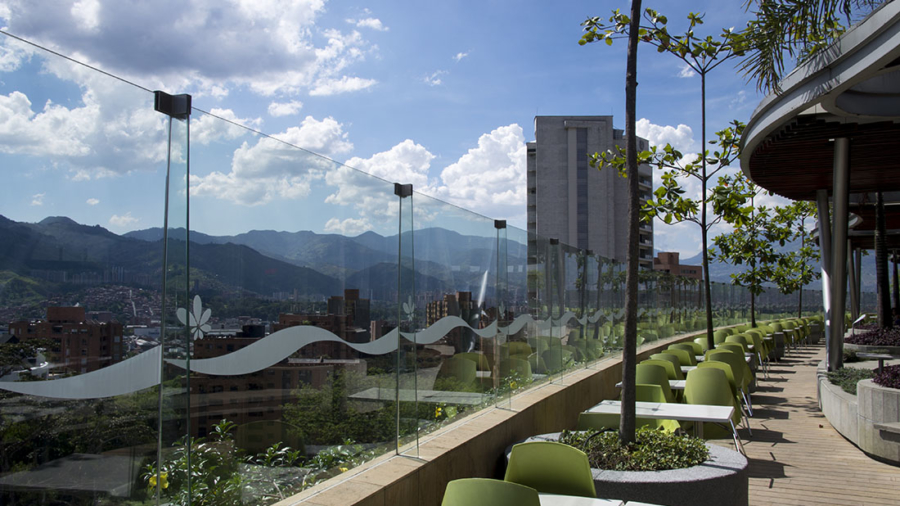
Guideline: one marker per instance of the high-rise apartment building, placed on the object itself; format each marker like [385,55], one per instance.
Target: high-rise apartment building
[571,201]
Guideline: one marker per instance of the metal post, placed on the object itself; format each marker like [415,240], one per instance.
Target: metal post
[824,226]
[854,301]
[841,197]
[858,286]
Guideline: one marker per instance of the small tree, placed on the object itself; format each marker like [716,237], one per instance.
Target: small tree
[797,268]
[752,242]
[702,55]
[629,353]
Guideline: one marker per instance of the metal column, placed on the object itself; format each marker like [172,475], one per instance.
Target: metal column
[841,197]
[854,296]
[824,226]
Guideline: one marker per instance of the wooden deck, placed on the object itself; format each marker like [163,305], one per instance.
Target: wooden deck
[796,457]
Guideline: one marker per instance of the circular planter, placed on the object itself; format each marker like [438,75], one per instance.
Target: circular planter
[861,348]
[722,479]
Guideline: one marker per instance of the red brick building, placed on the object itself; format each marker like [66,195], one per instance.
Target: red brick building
[83,345]
[668,262]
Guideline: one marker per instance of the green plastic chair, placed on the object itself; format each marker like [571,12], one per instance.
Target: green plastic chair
[514,348]
[732,384]
[704,345]
[710,386]
[685,357]
[488,492]
[738,339]
[741,372]
[537,364]
[460,370]
[651,374]
[551,468]
[690,347]
[720,335]
[517,366]
[482,362]
[556,359]
[673,370]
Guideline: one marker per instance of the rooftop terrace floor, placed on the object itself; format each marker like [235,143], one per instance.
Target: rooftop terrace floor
[796,456]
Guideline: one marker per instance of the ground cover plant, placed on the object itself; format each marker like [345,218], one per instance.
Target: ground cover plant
[847,377]
[653,450]
[876,337]
[889,377]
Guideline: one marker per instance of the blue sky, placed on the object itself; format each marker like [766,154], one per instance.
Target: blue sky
[439,94]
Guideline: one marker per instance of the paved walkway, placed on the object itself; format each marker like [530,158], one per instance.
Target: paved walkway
[796,457]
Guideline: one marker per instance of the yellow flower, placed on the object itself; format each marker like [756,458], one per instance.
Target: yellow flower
[437,412]
[163,481]
[343,469]
[513,385]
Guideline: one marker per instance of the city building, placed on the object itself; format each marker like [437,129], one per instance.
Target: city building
[575,203]
[454,304]
[255,401]
[668,262]
[83,345]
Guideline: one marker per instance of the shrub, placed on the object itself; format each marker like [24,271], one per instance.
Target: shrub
[889,377]
[847,377]
[876,337]
[654,450]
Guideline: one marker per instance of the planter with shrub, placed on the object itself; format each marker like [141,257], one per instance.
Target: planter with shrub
[661,469]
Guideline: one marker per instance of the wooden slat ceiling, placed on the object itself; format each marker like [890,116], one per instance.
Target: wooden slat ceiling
[799,159]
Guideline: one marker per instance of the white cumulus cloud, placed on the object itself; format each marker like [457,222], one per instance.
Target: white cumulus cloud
[93,202]
[490,178]
[274,167]
[346,84]
[435,78]
[124,221]
[220,124]
[459,56]
[680,137]
[349,226]
[38,199]
[373,23]
[199,46]
[686,71]
[279,109]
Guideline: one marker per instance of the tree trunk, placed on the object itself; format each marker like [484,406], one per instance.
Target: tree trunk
[703,231]
[885,320]
[629,354]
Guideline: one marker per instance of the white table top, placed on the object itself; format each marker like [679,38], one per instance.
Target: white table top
[673,384]
[687,368]
[670,411]
[571,500]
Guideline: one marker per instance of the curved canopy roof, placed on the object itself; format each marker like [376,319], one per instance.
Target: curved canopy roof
[851,90]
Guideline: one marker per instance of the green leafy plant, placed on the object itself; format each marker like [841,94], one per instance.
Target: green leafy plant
[653,450]
[847,377]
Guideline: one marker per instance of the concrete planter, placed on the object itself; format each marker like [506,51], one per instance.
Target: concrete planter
[721,480]
[879,420]
[860,348]
[870,419]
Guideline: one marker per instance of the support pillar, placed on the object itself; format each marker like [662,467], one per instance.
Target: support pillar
[824,226]
[841,197]
[854,300]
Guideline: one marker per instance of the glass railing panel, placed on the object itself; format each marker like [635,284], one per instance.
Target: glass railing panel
[457,344]
[518,358]
[84,165]
[295,269]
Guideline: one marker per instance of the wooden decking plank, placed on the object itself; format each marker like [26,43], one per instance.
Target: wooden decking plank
[796,456]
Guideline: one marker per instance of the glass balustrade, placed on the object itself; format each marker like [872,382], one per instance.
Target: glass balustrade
[205,311]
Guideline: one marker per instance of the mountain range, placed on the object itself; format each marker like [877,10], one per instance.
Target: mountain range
[264,262]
